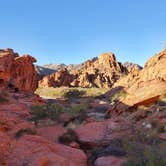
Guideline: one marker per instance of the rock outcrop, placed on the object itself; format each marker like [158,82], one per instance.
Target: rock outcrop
[98,72]
[17,72]
[57,79]
[145,84]
[36,151]
[23,143]
[50,134]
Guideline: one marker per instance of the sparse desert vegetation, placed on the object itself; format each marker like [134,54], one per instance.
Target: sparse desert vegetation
[123,124]
[50,111]
[63,91]
[21,132]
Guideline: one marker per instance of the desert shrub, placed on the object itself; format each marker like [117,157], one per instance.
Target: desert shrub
[4,96]
[118,95]
[107,115]
[73,94]
[38,112]
[68,137]
[101,109]
[53,111]
[25,131]
[77,109]
[96,92]
[143,155]
[159,127]
[59,92]
[50,111]
[94,154]
[145,149]
[114,148]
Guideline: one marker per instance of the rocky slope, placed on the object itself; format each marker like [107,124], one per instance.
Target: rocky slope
[17,72]
[43,71]
[147,83]
[126,126]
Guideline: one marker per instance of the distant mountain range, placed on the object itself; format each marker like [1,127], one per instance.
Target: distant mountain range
[53,67]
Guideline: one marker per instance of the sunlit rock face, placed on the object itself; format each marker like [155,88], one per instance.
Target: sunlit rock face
[98,72]
[17,71]
[147,84]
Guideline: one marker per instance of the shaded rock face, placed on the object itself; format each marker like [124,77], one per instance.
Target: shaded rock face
[57,79]
[17,72]
[98,72]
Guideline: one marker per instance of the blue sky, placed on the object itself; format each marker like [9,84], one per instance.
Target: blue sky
[71,31]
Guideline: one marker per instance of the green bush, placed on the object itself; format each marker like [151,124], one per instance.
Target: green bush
[142,155]
[50,111]
[25,131]
[73,94]
[68,137]
[145,149]
[118,95]
[159,127]
[142,148]
[76,109]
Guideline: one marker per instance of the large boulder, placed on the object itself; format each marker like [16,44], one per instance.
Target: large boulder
[110,161]
[17,72]
[95,134]
[36,151]
[51,133]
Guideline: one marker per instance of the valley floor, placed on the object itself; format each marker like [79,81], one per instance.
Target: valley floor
[77,129]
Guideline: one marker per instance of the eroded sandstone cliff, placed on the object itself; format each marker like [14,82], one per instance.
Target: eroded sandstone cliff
[17,72]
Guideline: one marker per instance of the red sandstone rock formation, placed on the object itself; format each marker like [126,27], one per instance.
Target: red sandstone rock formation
[145,84]
[57,79]
[17,148]
[36,151]
[98,72]
[17,72]
[43,149]
[101,133]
